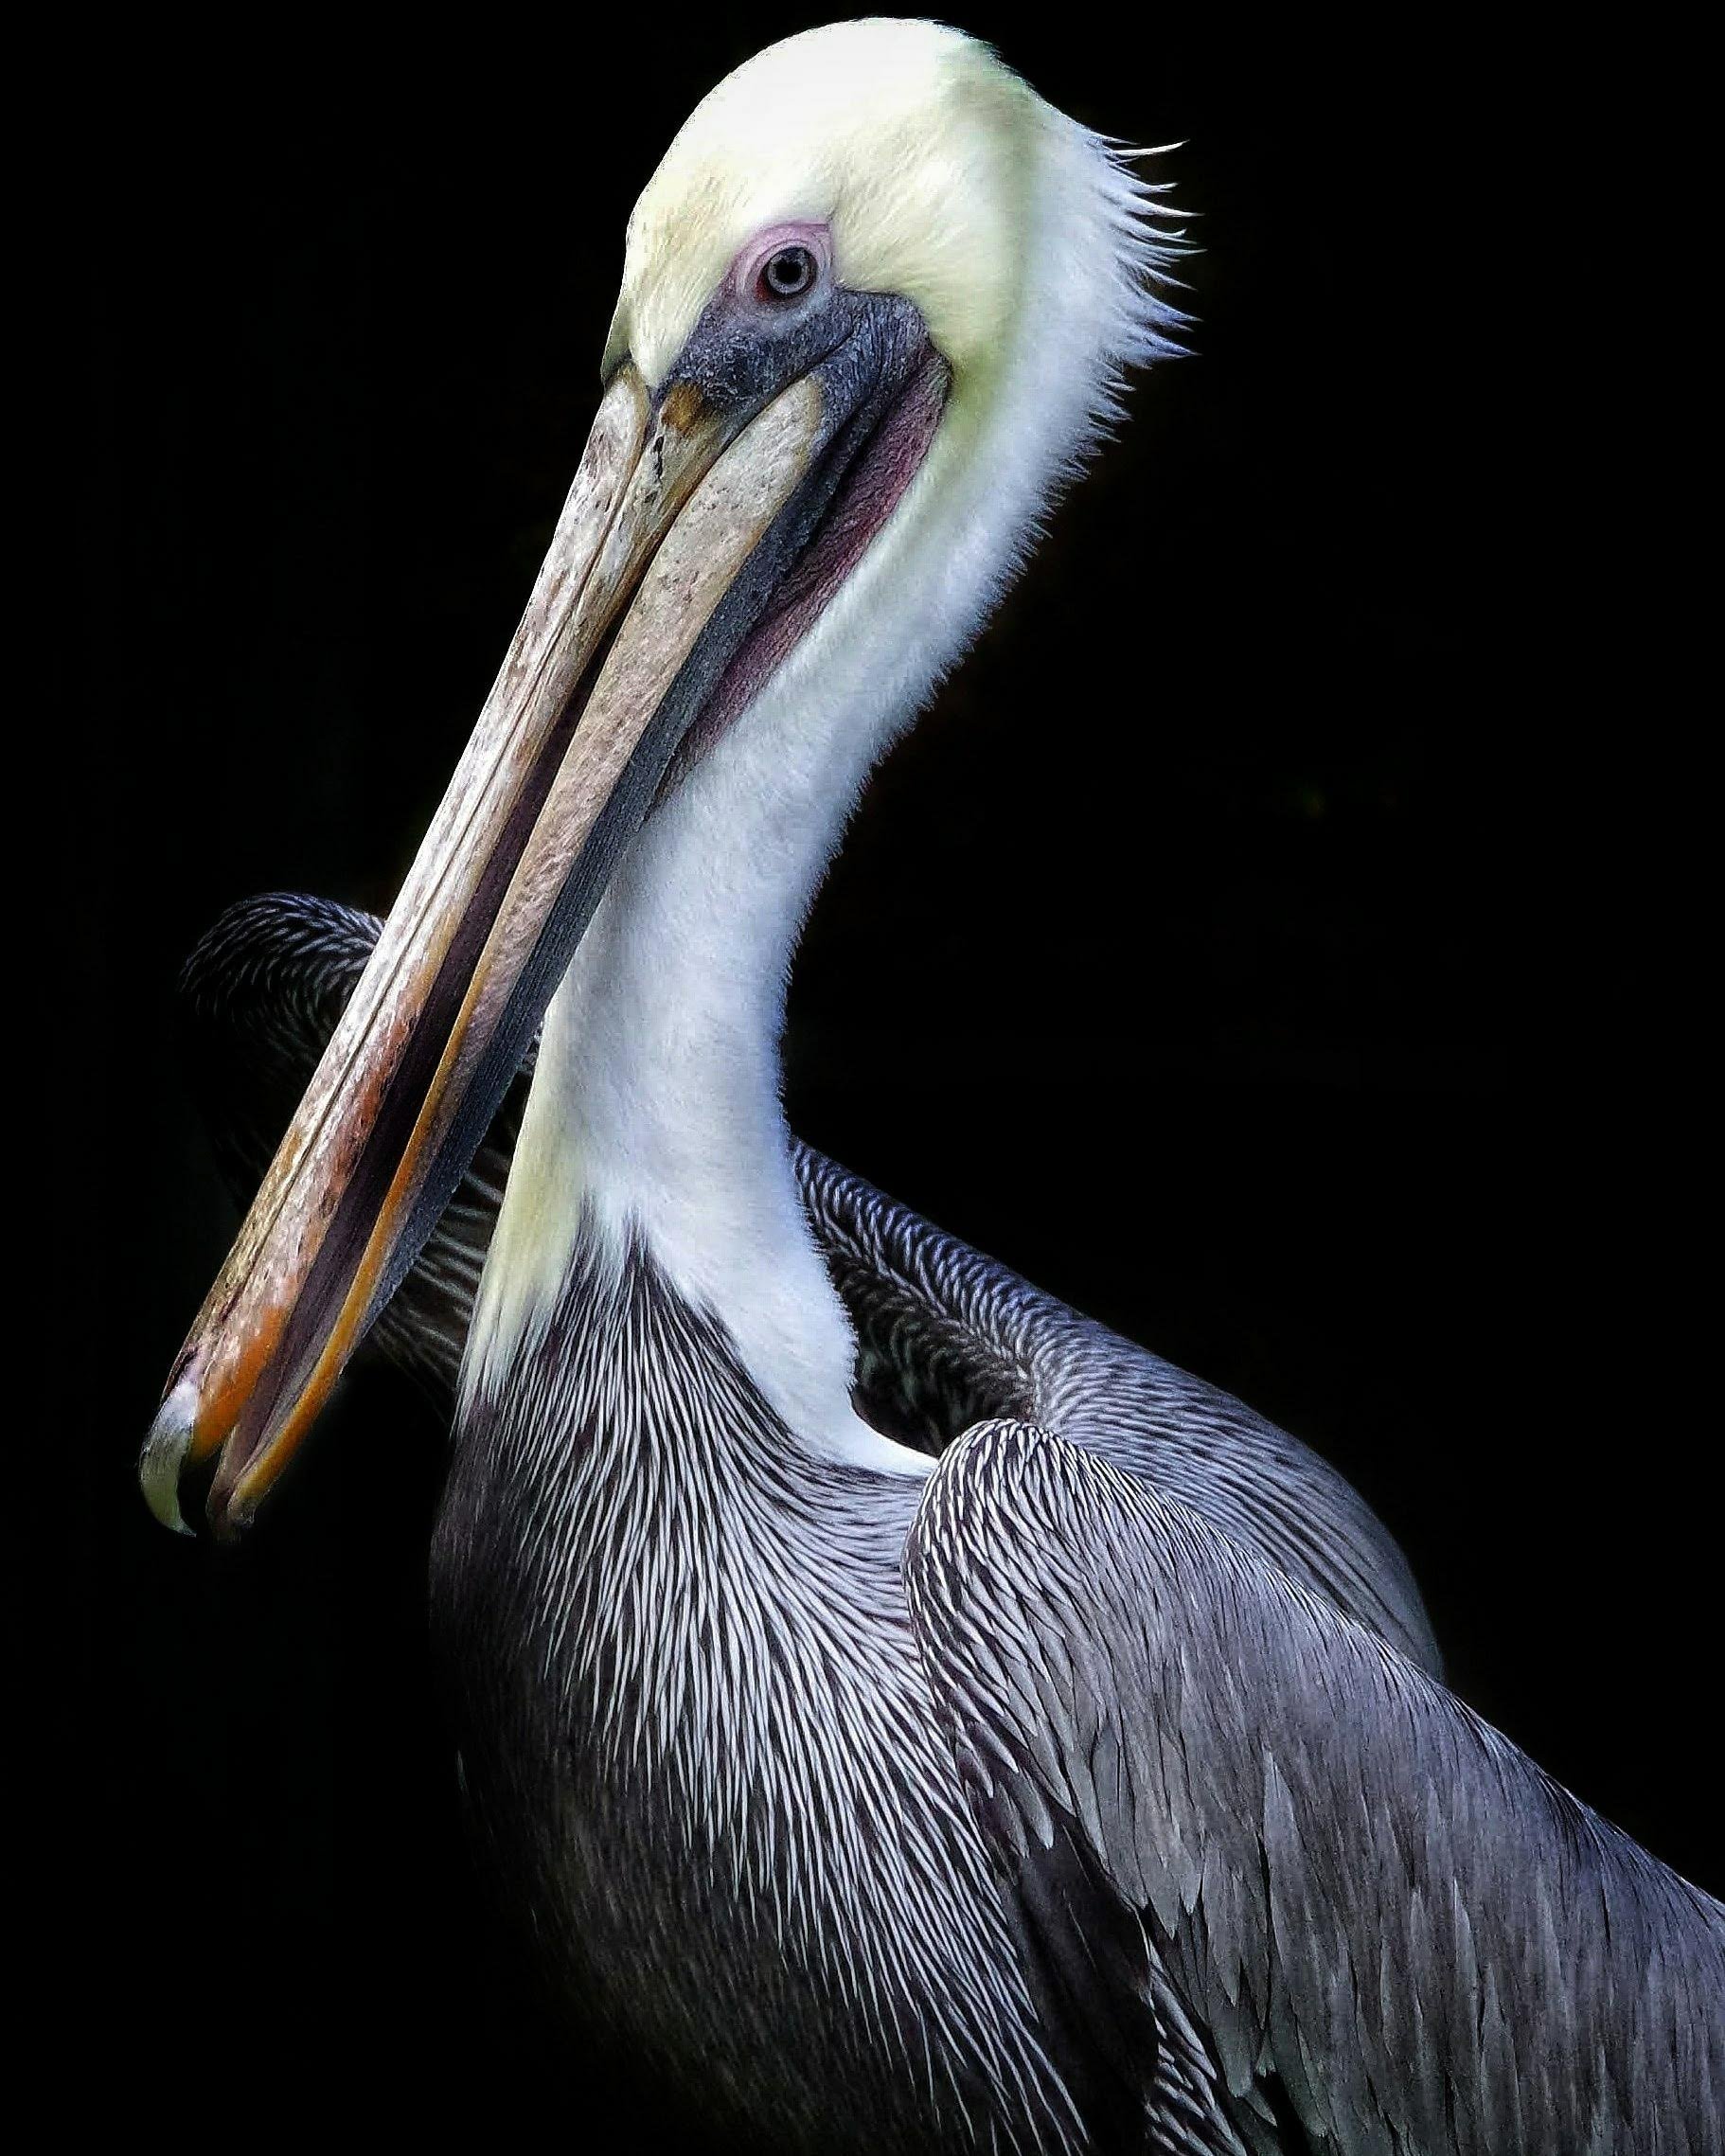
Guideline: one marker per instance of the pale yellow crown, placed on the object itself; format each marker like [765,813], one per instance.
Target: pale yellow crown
[910,140]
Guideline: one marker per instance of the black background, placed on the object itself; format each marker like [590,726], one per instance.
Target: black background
[1208,954]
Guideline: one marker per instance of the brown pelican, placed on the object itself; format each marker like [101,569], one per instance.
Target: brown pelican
[910,1716]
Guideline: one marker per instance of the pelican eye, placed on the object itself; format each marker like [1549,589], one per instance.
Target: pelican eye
[787,274]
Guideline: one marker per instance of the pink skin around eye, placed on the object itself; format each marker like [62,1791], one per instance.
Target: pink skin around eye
[751,260]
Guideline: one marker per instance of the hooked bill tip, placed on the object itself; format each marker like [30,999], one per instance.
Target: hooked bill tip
[164,1454]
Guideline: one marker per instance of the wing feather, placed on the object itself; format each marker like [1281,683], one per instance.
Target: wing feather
[1386,1928]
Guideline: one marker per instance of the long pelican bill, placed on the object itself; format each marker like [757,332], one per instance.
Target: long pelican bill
[687,513]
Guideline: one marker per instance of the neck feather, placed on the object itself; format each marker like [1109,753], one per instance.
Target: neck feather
[656,1109]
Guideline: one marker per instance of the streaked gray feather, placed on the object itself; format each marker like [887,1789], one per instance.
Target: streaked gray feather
[1393,1932]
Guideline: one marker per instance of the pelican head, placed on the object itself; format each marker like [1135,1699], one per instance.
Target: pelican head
[876,302]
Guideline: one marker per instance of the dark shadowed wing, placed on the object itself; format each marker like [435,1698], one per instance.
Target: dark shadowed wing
[259,1000]
[1273,1882]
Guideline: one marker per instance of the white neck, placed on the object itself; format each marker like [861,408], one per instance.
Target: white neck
[655,1107]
